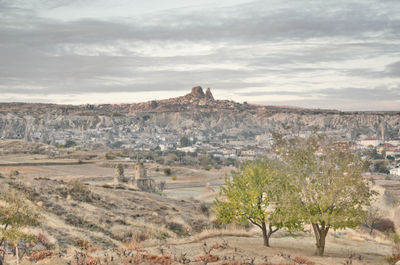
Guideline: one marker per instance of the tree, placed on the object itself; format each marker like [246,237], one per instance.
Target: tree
[185,142]
[373,217]
[167,171]
[119,170]
[16,213]
[382,167]
[253,194]
[69,143]
[331,192]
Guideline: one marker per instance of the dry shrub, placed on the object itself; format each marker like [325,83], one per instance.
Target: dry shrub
[140,236]
[43,240]
[136,239]
[301,260]
[40,255]
[233,262]
[133,245]
[384,225]
[83,244]
[89,260]
[395,256]
[206,234]
[144,258]
[207,258]
[80,192]
[154,259]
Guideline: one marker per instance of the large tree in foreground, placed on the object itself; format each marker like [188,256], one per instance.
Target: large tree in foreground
[331,192]
[253,194]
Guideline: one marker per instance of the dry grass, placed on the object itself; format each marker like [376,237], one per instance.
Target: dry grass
[212,233]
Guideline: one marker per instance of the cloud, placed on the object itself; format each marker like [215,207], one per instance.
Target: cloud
[314,50]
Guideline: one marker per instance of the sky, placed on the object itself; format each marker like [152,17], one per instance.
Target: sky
[342,54]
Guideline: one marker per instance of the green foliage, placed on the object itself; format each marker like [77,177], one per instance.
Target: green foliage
[256,193]
[16,213]
[117,145]
[167,171]
[185,142]
[208,168]
[110,156]
[69,143]
[382,167]
[174,178]
[330,191]
[120,170]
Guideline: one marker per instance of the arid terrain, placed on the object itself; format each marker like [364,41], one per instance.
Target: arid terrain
[87,215]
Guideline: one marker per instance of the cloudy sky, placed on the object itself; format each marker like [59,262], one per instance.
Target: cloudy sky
[342,54]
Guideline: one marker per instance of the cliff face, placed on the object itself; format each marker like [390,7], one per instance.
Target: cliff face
[195,114]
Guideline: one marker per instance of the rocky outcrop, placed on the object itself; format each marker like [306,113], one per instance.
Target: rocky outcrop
[197,92]
[209,96]
[197,114]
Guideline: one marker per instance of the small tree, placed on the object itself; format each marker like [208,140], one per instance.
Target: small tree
[185,142]
[373,217]
[254,194]
[331,192]
[16,213]
[167,171]
[119,170]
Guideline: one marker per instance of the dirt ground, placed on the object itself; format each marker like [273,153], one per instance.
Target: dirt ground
[172,223]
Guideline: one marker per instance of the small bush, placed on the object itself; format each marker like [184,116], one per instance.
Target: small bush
[14,173]
[83,244]
[80,192]
[301,260]
[204,209]
[140,236]
[384,225]
[40,255]
[395,256]
[174,178]
[119,170]
[167,171]
[208,168]
[177,228]
[69,143]
[110,156]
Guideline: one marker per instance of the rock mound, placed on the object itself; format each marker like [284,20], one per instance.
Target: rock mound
[209,96]
[197,92]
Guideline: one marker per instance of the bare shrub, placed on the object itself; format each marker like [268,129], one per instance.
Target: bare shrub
[301,260]
[80,192]
[384,225]
[41,255]
[204,209]
[140,236]
[395,256]
[373,217]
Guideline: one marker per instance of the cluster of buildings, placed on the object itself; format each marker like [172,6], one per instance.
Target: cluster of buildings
[386,148]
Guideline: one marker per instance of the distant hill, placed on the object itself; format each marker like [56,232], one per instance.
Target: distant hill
[196,114]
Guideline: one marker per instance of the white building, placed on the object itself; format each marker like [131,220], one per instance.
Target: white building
[366,143]
[395,171]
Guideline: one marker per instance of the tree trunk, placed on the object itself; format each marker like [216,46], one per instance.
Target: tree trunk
[265,234]
[3,253]
[320,236]
[16,252]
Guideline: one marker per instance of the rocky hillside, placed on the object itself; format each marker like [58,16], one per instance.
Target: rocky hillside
[196,114]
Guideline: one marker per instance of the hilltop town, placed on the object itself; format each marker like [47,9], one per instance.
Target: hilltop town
[195,123]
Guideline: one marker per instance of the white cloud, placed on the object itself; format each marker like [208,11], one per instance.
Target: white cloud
[258,51]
